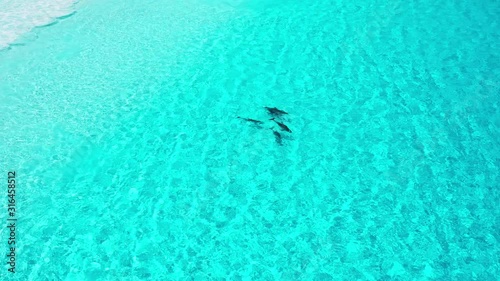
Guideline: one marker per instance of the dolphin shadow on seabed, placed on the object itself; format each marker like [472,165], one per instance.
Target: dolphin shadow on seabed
[252,120]
[280,137]
[255,122]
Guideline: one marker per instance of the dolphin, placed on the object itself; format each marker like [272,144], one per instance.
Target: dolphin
[282,126]
[277,135]
[252,120]
[275,111]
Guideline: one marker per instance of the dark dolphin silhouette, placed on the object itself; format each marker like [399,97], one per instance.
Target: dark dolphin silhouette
[252,120]
[282,126]
[275,111]
[278,137]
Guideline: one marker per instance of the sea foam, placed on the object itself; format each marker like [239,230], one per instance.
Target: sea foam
[20,16]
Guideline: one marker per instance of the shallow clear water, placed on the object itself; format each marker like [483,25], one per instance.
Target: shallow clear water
[121,124]
[18,17]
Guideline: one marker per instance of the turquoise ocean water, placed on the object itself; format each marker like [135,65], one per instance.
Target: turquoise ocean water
[120,122]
